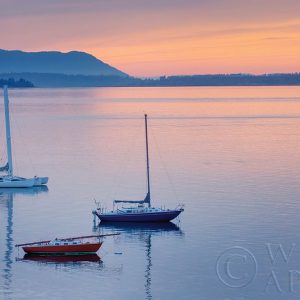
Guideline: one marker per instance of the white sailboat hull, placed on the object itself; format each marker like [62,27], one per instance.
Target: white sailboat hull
[16,182]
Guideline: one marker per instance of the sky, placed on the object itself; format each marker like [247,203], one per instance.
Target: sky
[161,37]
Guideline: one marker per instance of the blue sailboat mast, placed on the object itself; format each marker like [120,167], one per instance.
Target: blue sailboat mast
[148,198]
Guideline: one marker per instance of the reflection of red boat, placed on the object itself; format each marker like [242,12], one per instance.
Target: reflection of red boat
[63,258]
[69,246]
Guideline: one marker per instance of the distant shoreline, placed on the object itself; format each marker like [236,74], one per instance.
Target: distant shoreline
[49,80]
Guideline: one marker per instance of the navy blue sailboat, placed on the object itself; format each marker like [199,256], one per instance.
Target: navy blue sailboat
[142,211]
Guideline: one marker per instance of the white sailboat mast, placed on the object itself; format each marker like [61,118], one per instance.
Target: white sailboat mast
[7,127]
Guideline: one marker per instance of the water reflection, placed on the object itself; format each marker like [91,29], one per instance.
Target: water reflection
[6,204]
[135,228]
[62,258]
[142,232]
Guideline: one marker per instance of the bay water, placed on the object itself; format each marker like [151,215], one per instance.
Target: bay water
[229,154]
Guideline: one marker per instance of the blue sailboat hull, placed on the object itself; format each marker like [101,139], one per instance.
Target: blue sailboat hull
[162,216]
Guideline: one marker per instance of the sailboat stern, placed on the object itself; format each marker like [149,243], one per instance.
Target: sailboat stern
[40,180]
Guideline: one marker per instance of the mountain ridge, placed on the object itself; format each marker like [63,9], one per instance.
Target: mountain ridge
[68,63]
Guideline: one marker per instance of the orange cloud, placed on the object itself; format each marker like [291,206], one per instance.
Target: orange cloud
[259,49]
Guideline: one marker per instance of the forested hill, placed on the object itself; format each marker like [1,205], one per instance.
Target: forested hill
[73,62]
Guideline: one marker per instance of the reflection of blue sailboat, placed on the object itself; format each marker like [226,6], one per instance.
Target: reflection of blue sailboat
[143,212]
[144,233]
[132,227]
[6,201]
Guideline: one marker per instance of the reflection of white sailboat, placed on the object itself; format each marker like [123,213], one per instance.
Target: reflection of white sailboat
[6,206]
[9,180]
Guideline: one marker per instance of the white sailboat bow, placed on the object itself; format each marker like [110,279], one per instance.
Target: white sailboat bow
[9,180]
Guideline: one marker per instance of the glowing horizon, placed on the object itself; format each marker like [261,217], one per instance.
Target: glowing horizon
[171,37]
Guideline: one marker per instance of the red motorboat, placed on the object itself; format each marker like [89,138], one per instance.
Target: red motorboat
[67,246]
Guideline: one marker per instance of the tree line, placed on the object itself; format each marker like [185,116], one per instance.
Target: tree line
[20,83]
[64,80]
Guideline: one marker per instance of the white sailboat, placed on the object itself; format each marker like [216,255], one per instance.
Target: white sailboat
[9,180]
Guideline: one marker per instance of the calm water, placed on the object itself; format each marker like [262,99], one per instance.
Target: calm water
[231,155]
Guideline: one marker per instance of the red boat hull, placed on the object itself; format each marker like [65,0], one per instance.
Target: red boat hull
[63,249]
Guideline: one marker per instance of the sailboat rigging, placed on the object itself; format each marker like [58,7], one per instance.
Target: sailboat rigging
[10,180]
[139,213]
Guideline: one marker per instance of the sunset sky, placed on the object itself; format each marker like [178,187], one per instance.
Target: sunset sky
[161,37]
